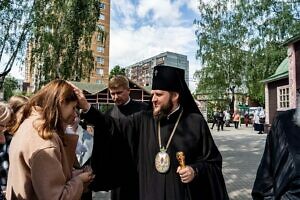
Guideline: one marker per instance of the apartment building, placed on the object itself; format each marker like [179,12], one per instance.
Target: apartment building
[100,46]
[141,72]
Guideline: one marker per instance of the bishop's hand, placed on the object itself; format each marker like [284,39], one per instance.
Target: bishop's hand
[187,174]
[82,102]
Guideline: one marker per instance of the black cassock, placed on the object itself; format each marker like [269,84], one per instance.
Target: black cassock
[129,187]
[278,175]
[128,109]
[139,133]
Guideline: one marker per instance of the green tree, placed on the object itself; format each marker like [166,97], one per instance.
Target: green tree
[57,33]
[239,44]
[61,42]
[9,86]
[16,20]
[117,70]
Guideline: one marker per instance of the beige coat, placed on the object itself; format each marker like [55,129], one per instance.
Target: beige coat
[42,169]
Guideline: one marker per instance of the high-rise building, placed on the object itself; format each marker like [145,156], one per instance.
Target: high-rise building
[141,72]
[99,46]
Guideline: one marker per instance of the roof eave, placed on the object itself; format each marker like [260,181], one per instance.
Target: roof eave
[272,79]
[291,40]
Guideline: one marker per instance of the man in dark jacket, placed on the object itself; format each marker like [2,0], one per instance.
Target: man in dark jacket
[154,137]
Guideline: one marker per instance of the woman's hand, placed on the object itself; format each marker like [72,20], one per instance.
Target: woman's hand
[86,174]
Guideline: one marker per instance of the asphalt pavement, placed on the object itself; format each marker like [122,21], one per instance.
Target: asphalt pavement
[241,150]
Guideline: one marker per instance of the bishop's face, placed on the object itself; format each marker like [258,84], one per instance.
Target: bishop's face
[163,102]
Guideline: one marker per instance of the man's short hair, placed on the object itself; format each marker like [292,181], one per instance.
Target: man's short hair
[118,81]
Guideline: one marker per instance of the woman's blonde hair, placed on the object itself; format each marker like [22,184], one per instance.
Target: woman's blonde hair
[5,113]
[50,99]
[17,104]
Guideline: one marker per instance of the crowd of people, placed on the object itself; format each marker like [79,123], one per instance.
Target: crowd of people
[55,145]
[221,118]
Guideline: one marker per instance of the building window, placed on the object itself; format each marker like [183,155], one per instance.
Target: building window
[99,71]
[160,60]
[101,27]
[101,17]
[100,60]
[101,37]
[101,5]
[283,98]
[100,49]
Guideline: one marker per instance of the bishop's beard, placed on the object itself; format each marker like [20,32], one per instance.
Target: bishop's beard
[164,111]
[297,114]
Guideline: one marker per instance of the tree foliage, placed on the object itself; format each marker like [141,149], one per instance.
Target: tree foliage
[117,70]
[15,25]
[240,44]
[58,34]
[61,42]
[10,84]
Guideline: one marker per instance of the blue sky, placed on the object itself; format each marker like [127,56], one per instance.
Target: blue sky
[144,28]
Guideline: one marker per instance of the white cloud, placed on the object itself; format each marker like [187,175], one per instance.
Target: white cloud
[192,5]
[147,40]
[124,12]
[159,11]
[151,28]
[130,46]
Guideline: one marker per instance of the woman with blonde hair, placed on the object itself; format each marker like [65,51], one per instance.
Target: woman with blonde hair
[17,103]
[5,117]
[41,154]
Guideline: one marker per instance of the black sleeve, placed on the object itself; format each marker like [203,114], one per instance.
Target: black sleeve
[275,168]
[110,150]
[263,185]
[209,170]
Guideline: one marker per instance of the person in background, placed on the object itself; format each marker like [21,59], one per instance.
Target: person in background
[215,119]
[278,175]
[14,110]
[259,120]
[41,155]
[154,137]
[220,120]
[236,119]
[5,118]
[17,103]
[83,149]
[227,118]
[246,118]
[123,106]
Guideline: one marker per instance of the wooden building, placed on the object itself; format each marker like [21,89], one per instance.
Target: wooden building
[98,94]
[281,87]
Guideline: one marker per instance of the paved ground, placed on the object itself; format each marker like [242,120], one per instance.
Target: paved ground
[241,150]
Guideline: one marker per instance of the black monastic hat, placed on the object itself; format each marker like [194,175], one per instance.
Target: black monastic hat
[172,79]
